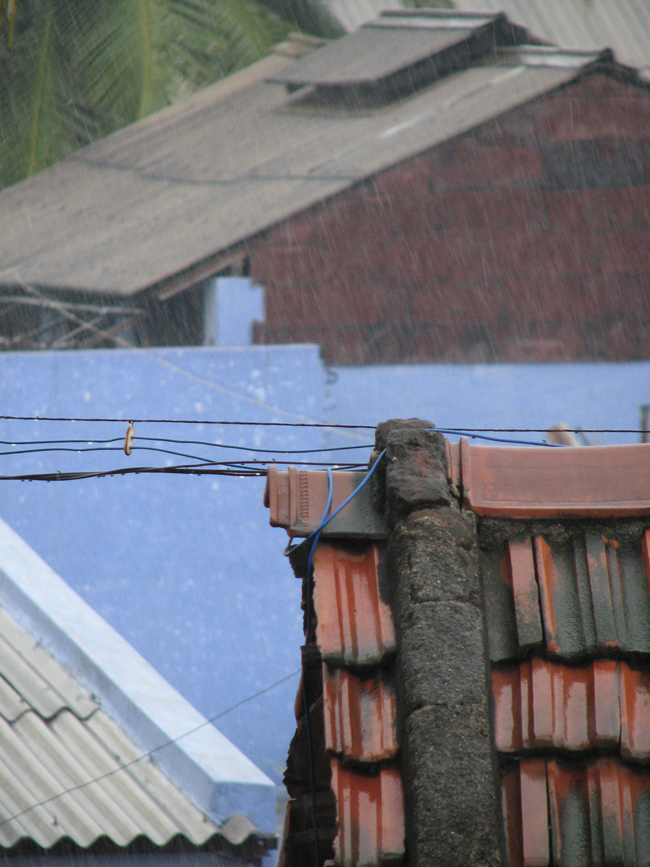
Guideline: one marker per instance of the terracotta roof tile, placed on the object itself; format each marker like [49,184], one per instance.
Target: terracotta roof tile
[540,704]
[597,813]
[359,715]
[370,816]
[296,500]
[594,596]
[600,481]
[354,624]
[577,593]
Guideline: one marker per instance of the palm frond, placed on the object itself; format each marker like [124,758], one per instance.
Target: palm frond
[81,70]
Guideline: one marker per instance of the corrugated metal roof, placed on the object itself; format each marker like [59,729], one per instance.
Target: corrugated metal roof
[375,52]
[351,14]
[157,203]
[623,25]
[54,736]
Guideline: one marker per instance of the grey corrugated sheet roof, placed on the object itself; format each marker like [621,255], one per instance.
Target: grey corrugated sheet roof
[375,51]
[69,771]
[351,14]
[622,25]
[152,202]
[53,737]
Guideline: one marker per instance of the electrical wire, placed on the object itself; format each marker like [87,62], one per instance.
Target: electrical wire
[330,426]
[155,749]
[189,421]
[467,433]
[256,449]
[325,521]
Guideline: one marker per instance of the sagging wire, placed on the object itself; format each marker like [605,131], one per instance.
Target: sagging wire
[308,424]
[258,450]
[155,749]
[239,470]
[131,435]
[329,426]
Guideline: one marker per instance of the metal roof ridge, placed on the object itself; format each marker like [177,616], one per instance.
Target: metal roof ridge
[217,777]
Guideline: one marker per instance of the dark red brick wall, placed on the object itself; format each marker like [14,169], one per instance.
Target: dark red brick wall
[527,239]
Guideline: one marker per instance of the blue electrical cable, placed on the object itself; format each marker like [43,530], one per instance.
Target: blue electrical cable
[464,433]
[325,521]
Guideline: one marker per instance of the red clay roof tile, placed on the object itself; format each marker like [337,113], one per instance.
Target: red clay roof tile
[525,809]
[594,596]
[296,500]
[600,481]
[540,704]
[370,815]
[359,715]
[598,813]
[354,624]
[577,594]
[635,713]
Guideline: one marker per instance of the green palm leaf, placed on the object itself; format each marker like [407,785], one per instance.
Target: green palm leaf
[78,70]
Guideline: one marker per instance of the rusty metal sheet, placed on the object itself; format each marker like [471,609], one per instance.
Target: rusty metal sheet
[540,704]
[370,817]
[354,625]
[600,481]
[360,717]
[296,500]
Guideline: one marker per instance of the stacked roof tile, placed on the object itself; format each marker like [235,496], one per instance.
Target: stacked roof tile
[566,577]
[354,702]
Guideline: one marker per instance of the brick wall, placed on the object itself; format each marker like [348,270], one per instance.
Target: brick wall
[527,239]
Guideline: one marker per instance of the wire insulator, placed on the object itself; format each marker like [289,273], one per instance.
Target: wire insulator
[129,439]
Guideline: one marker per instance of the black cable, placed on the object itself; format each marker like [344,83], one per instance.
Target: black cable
[88,442]
[331,426]
[256,449]
[155,749]
[237,469]
[253,448]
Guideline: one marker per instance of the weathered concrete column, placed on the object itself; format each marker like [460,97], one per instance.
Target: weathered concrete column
[442,668]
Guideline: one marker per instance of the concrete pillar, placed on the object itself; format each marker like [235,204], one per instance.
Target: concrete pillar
[449,764]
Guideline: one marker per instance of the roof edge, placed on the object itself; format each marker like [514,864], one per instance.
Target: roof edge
[216,776]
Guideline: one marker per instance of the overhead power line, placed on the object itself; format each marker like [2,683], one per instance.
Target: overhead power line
[324,425]
[189,421]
